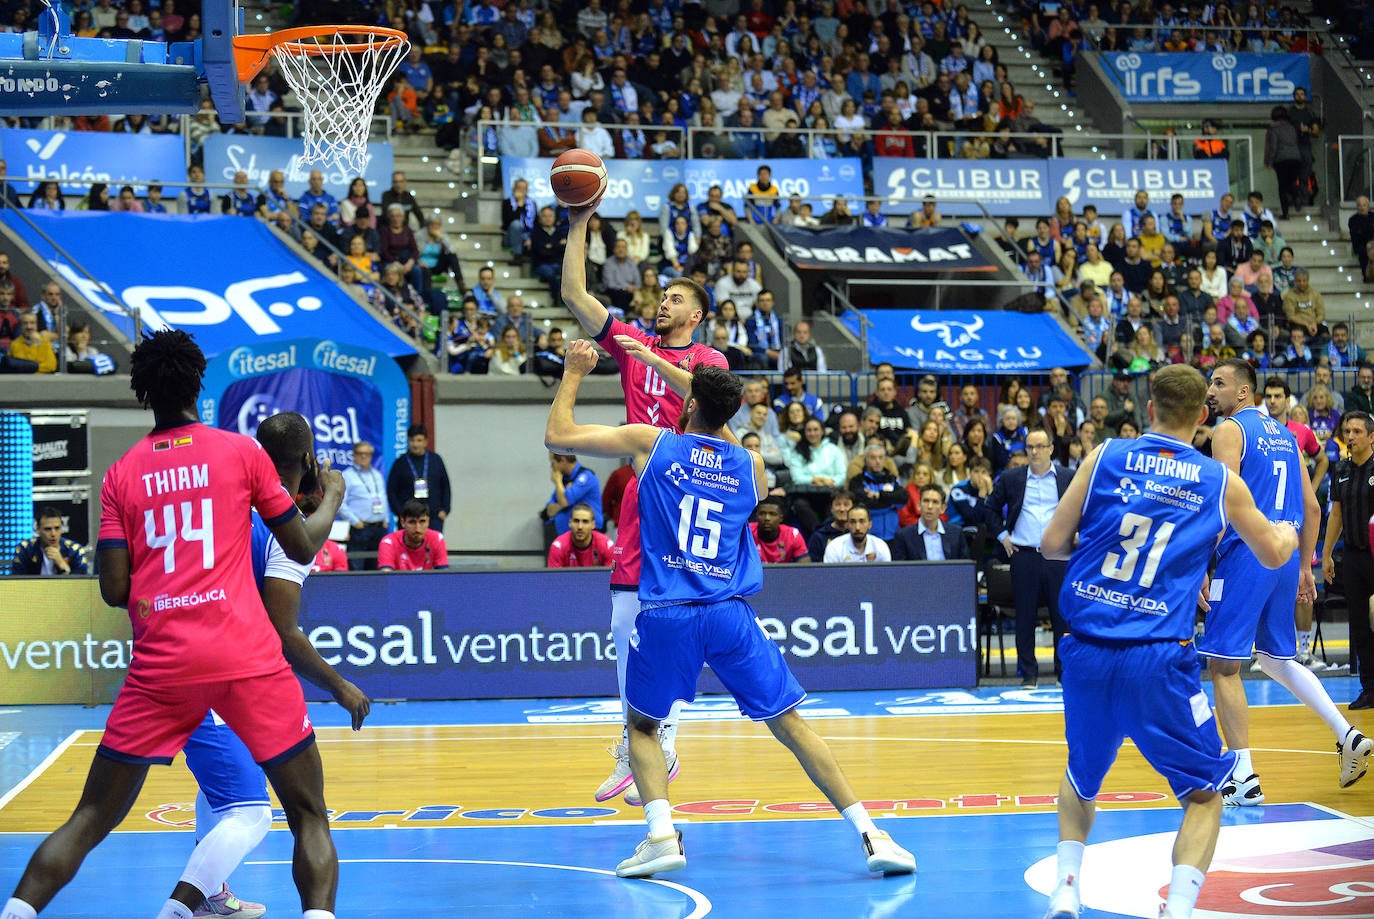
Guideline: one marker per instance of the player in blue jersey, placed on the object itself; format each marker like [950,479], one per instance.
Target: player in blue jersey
[1251,607]
[233,811]
[1145,514]
[697,491]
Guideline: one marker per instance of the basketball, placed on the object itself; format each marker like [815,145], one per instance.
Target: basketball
[578,177]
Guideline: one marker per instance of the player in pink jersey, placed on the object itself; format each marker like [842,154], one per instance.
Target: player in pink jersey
[656,373]
[174,549]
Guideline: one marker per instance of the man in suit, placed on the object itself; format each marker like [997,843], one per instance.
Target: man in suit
[1021,504]
[928,540]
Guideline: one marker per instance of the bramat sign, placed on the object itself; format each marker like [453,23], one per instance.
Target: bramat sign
[347,393]
[880,250]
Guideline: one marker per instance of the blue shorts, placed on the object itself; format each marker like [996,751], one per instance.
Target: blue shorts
[1252,607]
[1151,693]
[670,644]
[223,767]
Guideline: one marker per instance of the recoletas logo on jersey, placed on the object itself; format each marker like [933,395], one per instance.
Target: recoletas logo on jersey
[1297,869]
[676,474]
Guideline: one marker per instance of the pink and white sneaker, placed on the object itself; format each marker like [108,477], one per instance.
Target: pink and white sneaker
[225,903]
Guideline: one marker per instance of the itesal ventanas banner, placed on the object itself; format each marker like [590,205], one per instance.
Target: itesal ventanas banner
[229,281]
[966,341]
[228,154]
[1029,188]
[892,251]
[1191,77]
[643,185]
[476,635]
[77,159]
[347,394]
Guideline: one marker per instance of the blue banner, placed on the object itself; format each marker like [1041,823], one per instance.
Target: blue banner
[347,393]
[229,281]
[1192,77]
[958,341]
[640,185]
[1029,188]
[79,158]
[227,154]
[475,635]
[880,250]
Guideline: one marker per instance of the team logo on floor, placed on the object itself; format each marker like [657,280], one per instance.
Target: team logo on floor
[1304,869]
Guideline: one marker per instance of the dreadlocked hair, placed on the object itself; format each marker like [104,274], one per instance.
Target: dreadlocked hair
[165,372]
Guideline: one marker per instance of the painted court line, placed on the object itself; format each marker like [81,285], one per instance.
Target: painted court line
[38,770]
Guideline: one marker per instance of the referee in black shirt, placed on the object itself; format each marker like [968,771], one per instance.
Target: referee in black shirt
[1352,504]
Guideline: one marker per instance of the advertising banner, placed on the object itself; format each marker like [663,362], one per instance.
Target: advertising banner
[965,341]
[78,159]
[16,482]
[347,393]
[227,154]
[1193,77]
[643,185]
[61,443]
[1029,188]
[59,642]
[479,634]
[880,250]
[229,281]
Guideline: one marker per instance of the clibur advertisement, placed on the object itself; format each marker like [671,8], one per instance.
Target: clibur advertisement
[643,185]
[1192,77]
[1030,188]
[347,394]
[229,281]
[77,159]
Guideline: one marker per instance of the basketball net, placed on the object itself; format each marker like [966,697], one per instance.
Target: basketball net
[337,77]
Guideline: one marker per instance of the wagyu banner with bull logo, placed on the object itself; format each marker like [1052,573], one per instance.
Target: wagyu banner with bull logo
[965,341]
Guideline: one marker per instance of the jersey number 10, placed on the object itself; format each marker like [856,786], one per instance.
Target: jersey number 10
[1136,528]
[167,539]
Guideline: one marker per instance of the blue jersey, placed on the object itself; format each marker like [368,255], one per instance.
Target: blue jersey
[262,547]
[1272,466]
[1151,517]
[696,494]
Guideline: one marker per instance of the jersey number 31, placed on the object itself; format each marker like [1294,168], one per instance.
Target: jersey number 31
[1120,566]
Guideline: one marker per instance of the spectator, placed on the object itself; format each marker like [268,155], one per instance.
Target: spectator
[1255,214]
[837,524]
[1193,300]
[400,193]
[1135,271]
[420,474]
[816,466]
[1121,404]
[1009,438]
[1214,277]
[518,215]
[1322,416]
[1097,330]
[1134,218]
[777,542]
[315,194]
[858,545]
[270,201]
[489,300]
[1341,351]
[1322,376]
[1018,510]
[507,358]
[1361,226]
[81,357]
[794,390]
[545,247]
[875,485]
[927,540]
[743,290]
[1295,354]
[1041,276]
[1235,248]
[1249,273]
[679,246]
[1282,154]
[50,553]
[970,407]
[573,484]
[620,276]
[416,546]
[765,336]
[47,196]
[1305,307]
[967,498]
[517,318]
[364,507]
[397,244]
[356,199]
[592,136]
[20,297]
[582,545]
[1361,397]
[30,352]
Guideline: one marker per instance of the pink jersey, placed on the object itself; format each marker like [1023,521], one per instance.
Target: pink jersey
[788,547]
[648,400]
[179,502]
[1307,441]
[393,552]
[648,397]
[597,554]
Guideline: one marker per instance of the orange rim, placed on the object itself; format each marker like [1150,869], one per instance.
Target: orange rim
[252,51]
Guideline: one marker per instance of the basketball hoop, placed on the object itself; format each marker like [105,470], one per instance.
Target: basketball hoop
[337,73]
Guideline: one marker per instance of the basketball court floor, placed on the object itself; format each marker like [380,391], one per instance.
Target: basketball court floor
[486,808]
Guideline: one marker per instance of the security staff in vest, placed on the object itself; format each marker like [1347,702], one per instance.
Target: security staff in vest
[1020,507]
[1352,504]
[50,553]
[364,508]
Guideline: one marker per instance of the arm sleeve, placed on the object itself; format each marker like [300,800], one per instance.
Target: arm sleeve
[440,550]
[556,556]
[111,533]
[281,567]
[386,553]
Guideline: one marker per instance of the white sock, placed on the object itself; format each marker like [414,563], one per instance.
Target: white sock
[858,818]
[1184,886]
[1070,859]
[667,729]
[18,909]
[317,914]
[659,814]
[1304,642]
[1307,686]
[175,910]
[1244,768]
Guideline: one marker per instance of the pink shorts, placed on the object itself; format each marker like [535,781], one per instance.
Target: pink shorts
[149,724]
